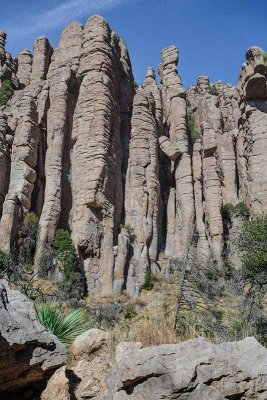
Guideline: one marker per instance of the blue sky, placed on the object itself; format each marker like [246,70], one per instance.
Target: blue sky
[212,35]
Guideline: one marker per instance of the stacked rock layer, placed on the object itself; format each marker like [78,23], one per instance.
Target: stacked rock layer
[131,173]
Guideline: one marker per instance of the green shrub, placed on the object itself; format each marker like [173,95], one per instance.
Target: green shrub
[265,58]
[66,326]
[242,210]
[28,268]
[150,280]
[27,238]
[193,134]
[6,92]
[3,259]
[130,232]
[214,90]
[229,211]
[130,311]
[30,218]
[252,242]
[65,252]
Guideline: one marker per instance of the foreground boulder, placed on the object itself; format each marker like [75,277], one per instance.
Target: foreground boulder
[28,353]
[192,370]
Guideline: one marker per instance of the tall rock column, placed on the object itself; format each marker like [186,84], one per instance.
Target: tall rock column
[4,160]
[96,157]
[180,208]
[22,174]
[252,137]
[206,123]
[24,67]
[64,63]
[142,184]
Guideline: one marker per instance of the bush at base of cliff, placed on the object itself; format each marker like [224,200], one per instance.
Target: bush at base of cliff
[253,246]
[65,253]
[150,280]
[229,211]
[27,238]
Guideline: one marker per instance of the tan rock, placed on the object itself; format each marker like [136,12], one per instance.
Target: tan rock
[22,174]
[142,189]
[181,202]
[58,387]
[24,67]
[41,58]
[169,149]
[91,343]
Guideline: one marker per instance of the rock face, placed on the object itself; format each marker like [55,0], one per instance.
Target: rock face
[130,173]
[28,353]
[195,369]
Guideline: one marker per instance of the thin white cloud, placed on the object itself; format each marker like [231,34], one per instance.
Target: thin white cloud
[60,15]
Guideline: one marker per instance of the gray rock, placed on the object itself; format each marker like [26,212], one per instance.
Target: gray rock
[195,369]
[28,353]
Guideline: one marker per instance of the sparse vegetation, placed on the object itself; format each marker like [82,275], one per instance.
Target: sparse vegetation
[28,268]
[3,259]
[129,231]
[252,244]
[239,210]
[6,92]
[150,280]
[265,57]
[193,134]
[65,253]
[66,325]
[27,238]
[214,90]
[130,311]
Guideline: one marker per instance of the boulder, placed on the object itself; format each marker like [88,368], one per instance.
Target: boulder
[89,343]
[28,353]
[191,370]
[195,369]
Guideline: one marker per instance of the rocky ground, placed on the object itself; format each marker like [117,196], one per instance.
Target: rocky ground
[98,369]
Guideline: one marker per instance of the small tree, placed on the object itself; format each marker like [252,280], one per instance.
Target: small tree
[194,135]
[252,243]
[65,253]
[6,92]
[27,238]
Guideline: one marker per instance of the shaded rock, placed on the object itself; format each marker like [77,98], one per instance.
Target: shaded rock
[256,87]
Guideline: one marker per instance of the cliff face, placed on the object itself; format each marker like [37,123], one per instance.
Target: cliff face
[131,173]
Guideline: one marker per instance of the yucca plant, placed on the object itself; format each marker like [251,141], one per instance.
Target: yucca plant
[66,326]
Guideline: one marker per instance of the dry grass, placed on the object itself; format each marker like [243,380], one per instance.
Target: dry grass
[151,328]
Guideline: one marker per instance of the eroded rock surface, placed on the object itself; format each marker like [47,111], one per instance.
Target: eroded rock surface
[136,175]
[28,353]
[195,369]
